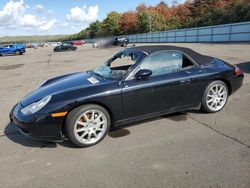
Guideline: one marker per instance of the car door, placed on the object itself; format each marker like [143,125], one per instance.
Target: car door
[5,49]
[63,47]
[68,47]
[11,49]
[165,90]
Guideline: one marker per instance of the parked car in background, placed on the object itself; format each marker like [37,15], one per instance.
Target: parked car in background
[16,49]
[55,44]
[100,43]
[42,45]
[65,46]
[113,41]
[78,42]
[32,45]
[121,41]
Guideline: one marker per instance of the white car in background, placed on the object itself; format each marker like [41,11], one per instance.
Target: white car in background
[100,43]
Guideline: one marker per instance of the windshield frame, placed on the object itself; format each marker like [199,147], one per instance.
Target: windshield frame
[141,56]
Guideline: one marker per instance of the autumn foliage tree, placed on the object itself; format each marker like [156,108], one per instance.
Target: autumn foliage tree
[110,23]
[128,23]
[191,13]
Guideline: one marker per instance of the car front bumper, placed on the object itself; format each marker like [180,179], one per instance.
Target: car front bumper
[39,126]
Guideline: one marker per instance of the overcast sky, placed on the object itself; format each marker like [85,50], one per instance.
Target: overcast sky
[42,17]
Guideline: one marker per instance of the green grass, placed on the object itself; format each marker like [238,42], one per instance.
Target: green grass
[34,38]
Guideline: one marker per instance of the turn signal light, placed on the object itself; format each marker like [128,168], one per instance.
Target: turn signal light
[59,114]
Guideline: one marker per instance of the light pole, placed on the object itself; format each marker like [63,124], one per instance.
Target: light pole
[149,18]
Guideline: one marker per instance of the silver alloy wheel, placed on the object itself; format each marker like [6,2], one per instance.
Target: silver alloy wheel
[216,97]
[90,126]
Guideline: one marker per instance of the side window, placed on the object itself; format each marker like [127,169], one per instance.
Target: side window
[186,63]
[163,62]
[125,59]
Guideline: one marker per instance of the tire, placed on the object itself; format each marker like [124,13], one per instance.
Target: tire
[215,97]
[82,130]
[17,52]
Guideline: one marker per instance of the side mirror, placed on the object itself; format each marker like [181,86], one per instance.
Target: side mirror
[143,74]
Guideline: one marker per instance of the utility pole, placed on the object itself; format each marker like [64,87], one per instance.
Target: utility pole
[150,24]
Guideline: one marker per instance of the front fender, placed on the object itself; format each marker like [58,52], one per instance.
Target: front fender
[50,81]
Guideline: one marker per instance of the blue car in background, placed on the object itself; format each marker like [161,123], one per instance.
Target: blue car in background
[16,49]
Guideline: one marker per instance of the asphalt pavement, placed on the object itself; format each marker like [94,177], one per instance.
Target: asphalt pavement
[191,149]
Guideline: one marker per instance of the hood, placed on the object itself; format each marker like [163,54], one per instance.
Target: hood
[61,84]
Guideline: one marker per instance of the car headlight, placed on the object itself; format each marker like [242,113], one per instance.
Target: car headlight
[36,106]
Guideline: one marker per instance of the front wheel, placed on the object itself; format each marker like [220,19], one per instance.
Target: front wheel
[17,52]
[87,125]
[215,96]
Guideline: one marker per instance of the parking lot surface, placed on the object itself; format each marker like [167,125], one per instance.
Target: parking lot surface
[190,149]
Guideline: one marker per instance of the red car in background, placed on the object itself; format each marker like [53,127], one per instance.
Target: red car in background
[78,42]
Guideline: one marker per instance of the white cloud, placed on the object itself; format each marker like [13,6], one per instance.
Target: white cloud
[13,16]
[79,18]
[32,21]
[83,15]
[39,8]
[48,25]
[11,12]
[29,20]
[65,24]
[50,12]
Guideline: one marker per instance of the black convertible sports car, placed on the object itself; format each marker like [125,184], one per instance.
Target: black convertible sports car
[135,84]
[65,46]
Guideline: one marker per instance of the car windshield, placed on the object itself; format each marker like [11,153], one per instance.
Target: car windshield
[66,44]
[118,66]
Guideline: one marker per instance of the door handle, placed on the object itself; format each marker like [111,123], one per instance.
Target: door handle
[183,81]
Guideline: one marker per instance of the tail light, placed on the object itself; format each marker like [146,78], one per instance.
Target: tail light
[237,71]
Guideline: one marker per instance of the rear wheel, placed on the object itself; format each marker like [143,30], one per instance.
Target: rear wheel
[215,96]
[87,125]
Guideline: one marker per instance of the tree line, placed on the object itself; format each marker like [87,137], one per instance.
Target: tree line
[163,17]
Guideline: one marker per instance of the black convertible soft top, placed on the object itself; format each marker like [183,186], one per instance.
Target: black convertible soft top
[198,58]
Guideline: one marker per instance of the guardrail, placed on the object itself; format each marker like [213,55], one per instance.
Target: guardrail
[235,32]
